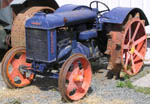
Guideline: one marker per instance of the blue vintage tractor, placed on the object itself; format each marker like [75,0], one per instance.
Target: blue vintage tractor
[62,44]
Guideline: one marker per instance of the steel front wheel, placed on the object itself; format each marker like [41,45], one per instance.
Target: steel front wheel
[75,77]
[13,68]
[133,46]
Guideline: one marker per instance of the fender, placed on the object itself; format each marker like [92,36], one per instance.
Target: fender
[118,15]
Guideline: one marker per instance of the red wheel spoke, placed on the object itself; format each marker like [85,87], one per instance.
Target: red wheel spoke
[133,65]
[138,54]
[75,71]
[127,60]
[24,81]
[81,72]
[126,46]
[13,74]
[20,76]
[22,59]
[75,67]
[129,34]
[15,63]
[68,76]
[71,86]
[80,76]
[140,40]
[80,89]
[136,30]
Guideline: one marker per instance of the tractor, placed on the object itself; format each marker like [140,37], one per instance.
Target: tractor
[61,44]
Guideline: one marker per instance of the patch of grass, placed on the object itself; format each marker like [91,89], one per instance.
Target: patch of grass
[126,76]
[129,84]
[15,101]
[126,83]
[121,84]
[143,90]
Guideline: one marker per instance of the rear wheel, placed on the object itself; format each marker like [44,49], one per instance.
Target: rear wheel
[133,46]
[12,68]
[75,77]
[126,46]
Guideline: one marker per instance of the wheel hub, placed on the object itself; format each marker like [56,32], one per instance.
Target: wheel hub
[132,50]
[23,68]
[78,78]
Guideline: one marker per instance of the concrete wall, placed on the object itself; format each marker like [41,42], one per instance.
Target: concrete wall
[143,4]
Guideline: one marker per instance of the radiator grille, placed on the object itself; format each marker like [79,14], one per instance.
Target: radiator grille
[37,44]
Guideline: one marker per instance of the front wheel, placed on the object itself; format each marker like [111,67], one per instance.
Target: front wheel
[12,68]
[75,77]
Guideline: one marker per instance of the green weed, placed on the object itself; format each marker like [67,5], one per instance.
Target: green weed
[15,101]
[128,84]
[121,84]
[143,90]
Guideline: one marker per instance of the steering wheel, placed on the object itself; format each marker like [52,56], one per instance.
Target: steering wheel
[97,6]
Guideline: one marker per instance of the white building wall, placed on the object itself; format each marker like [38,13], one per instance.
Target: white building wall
[143,4]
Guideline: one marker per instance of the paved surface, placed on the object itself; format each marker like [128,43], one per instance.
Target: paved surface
[143,82]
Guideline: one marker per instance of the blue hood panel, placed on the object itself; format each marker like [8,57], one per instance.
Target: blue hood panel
[50,21]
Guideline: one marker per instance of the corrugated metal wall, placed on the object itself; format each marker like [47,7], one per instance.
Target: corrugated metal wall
[143,4]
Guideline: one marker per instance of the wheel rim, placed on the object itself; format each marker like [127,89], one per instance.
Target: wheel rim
[133,46]
[75,78]
[14,70]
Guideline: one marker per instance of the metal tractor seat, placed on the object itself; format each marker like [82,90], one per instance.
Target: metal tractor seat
[88,34]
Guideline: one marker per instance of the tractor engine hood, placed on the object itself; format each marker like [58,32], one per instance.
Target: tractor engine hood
[51,21]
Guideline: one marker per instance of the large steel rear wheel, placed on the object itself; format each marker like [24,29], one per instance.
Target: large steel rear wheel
[12,68]
[126,46]
[75,77]
[133,46]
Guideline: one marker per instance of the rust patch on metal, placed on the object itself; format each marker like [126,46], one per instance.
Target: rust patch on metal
[114,51]
[18,27]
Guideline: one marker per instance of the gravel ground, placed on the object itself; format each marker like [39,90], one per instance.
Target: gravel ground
[103,91]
